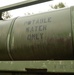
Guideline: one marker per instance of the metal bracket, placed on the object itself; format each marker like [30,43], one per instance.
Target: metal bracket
[20,4]
[34,70]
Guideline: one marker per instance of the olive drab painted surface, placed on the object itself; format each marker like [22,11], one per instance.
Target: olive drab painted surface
[43,36]
[56,66]
[4,29]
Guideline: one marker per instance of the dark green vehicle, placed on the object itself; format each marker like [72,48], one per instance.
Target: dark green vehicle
[41,43]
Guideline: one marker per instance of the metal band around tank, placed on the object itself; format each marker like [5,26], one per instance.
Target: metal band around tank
[9,38]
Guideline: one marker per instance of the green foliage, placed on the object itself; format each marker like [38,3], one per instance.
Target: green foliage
[60,5]
[6,15]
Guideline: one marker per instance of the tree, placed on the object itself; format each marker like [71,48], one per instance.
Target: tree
[60,5]
[6,15]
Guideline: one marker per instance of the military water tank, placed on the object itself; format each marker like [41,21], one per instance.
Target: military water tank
[44,36]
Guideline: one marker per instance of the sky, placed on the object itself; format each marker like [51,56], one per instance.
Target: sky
[43,7]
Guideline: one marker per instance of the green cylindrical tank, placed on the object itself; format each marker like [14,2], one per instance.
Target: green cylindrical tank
[45,36]
[4,30]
